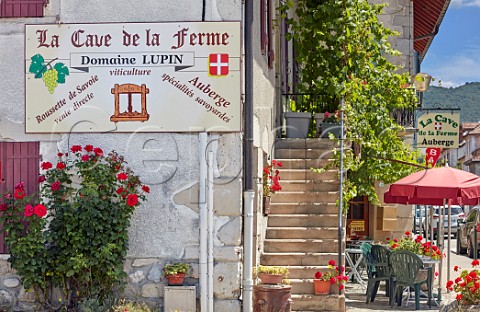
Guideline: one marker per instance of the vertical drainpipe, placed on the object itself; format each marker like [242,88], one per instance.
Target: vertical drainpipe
[203,269]
[249,194]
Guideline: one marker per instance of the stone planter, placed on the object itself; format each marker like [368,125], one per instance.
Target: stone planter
[298,124]
[327,128]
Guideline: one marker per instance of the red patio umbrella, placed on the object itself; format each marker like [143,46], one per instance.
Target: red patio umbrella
[437,186]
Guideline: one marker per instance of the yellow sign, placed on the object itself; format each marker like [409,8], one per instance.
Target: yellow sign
[357,225]
[438,130]
[133,77]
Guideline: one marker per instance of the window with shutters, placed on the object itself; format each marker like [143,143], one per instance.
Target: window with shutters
[22,8]
[19,162]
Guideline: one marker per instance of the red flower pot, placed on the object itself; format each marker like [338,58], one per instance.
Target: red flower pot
[321,287]
[175,279]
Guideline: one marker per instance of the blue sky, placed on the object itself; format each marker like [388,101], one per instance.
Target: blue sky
[454,56]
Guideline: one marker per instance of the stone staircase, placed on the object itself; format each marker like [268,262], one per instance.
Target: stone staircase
[302,226]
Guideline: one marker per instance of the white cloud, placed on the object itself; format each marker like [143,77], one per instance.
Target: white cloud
[456,70]
[465,3]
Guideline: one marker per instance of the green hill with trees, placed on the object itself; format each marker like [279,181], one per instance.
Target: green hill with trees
[466,97]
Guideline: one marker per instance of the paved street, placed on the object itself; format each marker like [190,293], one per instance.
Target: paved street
[355,294]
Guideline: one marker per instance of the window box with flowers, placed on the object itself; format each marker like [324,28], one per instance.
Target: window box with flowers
[271,183]
[329,124]
[327,282]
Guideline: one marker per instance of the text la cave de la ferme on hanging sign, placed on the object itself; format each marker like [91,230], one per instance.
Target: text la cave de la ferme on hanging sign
[129,77]
[438,130]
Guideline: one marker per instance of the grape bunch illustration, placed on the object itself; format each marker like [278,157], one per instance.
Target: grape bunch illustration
[51,75]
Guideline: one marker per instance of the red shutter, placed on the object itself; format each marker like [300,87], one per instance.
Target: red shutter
[263,26]
[22,8]
[20,162]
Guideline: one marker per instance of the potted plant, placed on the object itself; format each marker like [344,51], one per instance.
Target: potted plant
[329,124]
[297,120]
[271,274]
[466,287]
[324,282]
[271,183]
[175,272]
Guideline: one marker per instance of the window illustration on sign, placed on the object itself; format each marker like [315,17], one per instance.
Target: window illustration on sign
[130,115]
[133,77]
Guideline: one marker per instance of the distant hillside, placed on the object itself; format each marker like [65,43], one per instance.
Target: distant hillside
[466,97]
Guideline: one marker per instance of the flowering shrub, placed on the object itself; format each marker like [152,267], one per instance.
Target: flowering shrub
[331,117]
[415,245]
[271,178]
[467,285]
[89,198]
[335,275]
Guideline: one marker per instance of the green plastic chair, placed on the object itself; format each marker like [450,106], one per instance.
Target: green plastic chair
[378,270]
[406,268]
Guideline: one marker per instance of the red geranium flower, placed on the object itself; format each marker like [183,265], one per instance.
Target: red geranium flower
[3,207]
[122,176]
[459,297]
[40,210]
[89,148]
[85,157]
[318,275]
[407,233]
[19,194]
[455,268]
[331,262]
[46,165]
[41,179]
[120,190]
[76,148]
[60,154]
[475,262]
[28,211]
[61,166]
[55,186]
[98,151]
[145,188]
[132,200]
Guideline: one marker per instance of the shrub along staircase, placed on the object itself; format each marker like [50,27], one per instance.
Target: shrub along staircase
[302,225]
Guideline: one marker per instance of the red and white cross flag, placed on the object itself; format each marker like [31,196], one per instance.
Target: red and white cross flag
[438,125]
[218,64]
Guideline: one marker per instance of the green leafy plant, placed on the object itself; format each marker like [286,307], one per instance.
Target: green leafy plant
[90,198]
[342,51]
[176,268]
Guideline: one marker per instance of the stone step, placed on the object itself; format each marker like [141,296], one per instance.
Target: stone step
[292,153]
[310,185]
[297,258]
[305,272]
[311,302]
[304,208]
[302,220]
[305,163]
[308,175]
[304,143]
[302,232]
[304,197]
[300,245]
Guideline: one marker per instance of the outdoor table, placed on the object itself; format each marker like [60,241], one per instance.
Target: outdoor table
[354,256]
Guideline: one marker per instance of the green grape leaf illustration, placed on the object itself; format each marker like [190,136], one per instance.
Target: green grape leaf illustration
[62,72]
[37,66]
[51,76]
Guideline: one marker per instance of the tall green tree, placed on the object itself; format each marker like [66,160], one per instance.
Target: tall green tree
[343,51]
